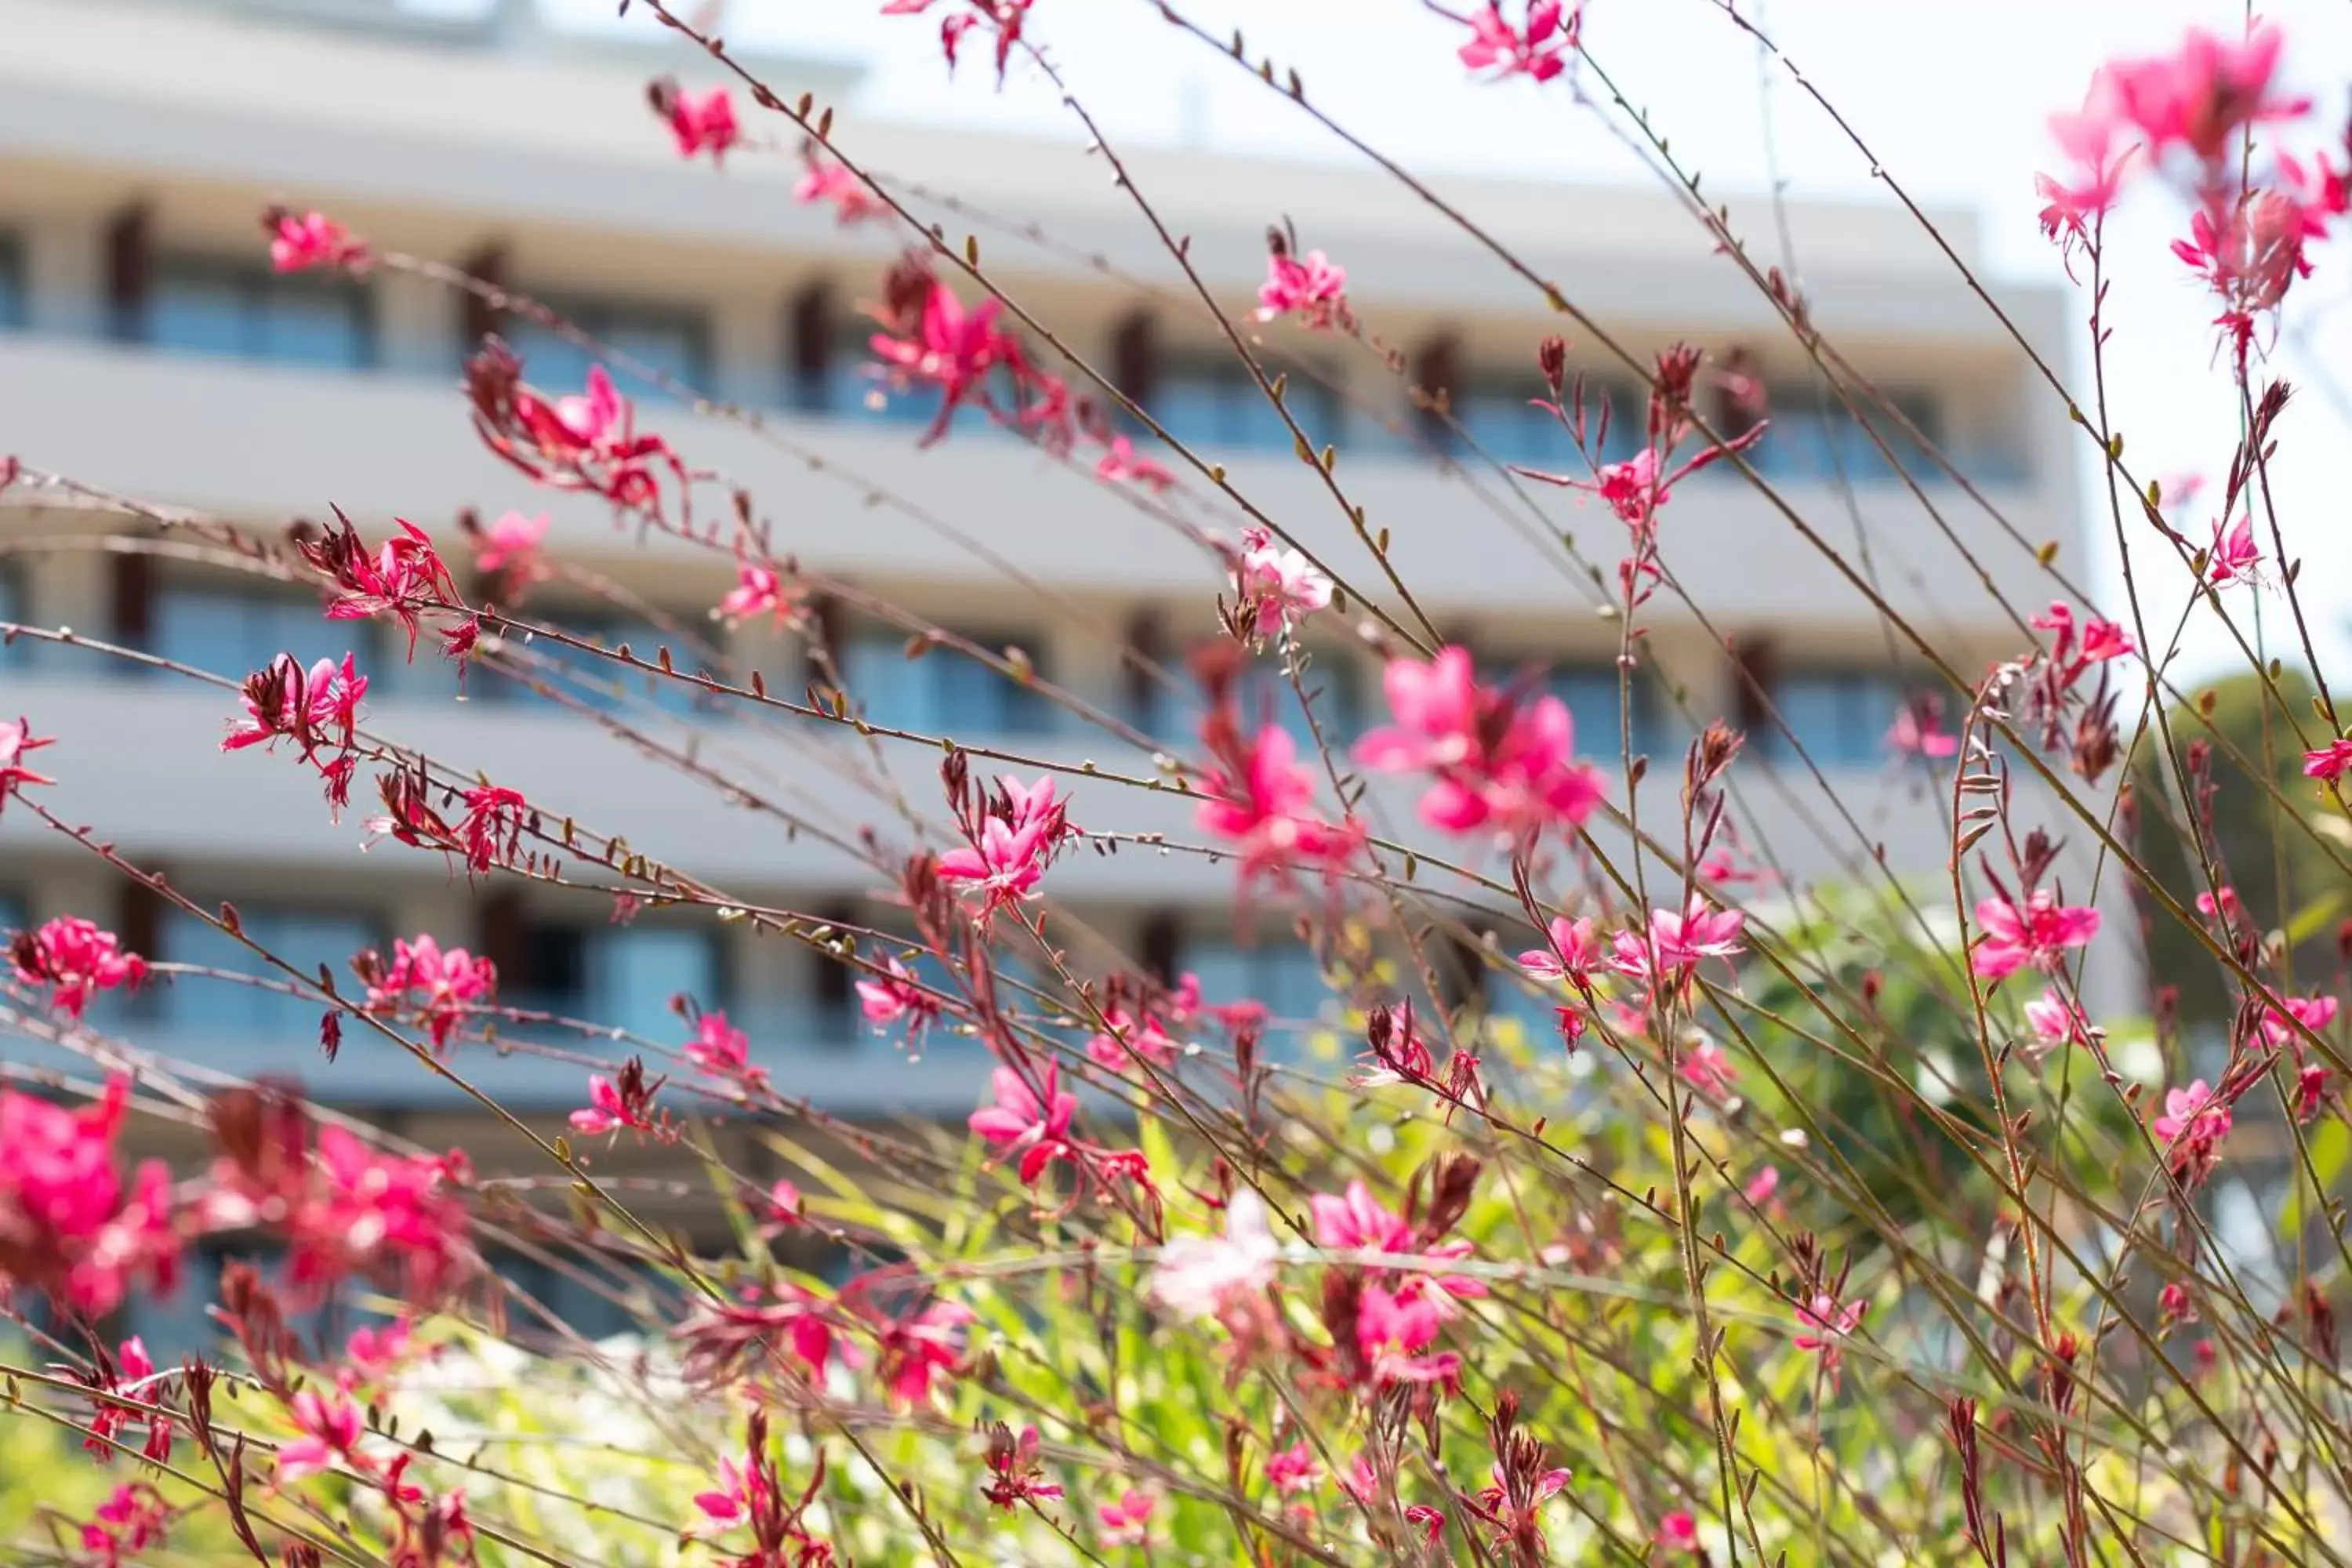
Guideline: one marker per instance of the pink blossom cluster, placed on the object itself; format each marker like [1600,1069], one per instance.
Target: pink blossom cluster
[2195,112]
[1276,588]
[70,1227]
[698,123]
[1009,843]
[436,988]
[1493,762]
[298,241]
[78,959]
[317,709]
[587,442]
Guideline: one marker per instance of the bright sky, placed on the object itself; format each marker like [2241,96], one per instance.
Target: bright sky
[1953,94]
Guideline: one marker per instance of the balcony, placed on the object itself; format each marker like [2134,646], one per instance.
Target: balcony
[265,442]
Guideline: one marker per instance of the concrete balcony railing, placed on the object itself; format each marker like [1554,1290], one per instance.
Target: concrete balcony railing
[265,442]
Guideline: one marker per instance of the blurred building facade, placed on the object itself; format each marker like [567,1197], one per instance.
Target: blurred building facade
[146,347]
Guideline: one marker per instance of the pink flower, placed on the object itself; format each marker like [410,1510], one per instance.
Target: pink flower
[1129,1038]
[493,824]
[1392,1331]
[824,180]
[697,124]
[1265,808]
[896,996]
[441,987]
[1706,1067]
[1665,955]
[1638,488]
[2313,1013]
[371,1354]
[133,1518]
[2037,934]
[2192,1111]
[1312,286]
[949,348]
[2055,1021]
[66,1227]
[1919,731]
[1492,762]
[2233,556]
[1294,1469]
[331,1429]
[2328,762]
[1276,588]
[1825,1325]
[403,579]
[2204,96]
[133,1373]
[1357,1222]
[302,240]
[912,1353]
[1762,1187]
[1678,1531]
[784,1203]
[1198,1275]
[606,1112]
[1033,1124]
[718,1048]
[16,738]
[1127,1521]
[1004,867]
[1540,49]
[757,591]
[1015,1474]
[2195,1121]
[1121,462]
[2074,650]
[78,958]
[1571,955]
[2250,247]
[511,543]
[2098,154]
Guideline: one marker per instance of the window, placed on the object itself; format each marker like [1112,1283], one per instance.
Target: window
[176,1326]
[621,977]
[207,306]
[588,1295]
[234,631]
[674,339]
[1503,422]
[1281,973]
[944,692]
[1839,716]
[14,296]
[1594,694]
[603,685]
[304,938]
[1812,436]
[14,606]
[1332,677]
[1217,403]
[13,910]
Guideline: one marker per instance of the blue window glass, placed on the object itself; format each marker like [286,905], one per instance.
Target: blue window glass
[1217,403]
[1332,678]
[673,340]
[1839,716]
[176,1326]
[13,910]
[1812,436]
[235,631]
[302,937]
[1505,422]
[14,296]
[944,692]
[1280,972]
[17,653]
[232,308]
[606,685]
[620,977]
[1594,696]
